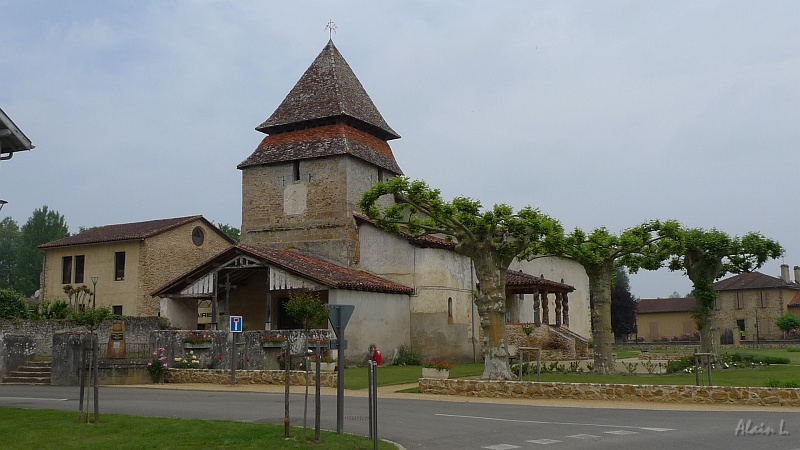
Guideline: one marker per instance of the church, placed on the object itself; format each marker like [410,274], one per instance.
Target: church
[324,145]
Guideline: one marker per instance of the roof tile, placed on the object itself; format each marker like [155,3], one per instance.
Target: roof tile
[663,305]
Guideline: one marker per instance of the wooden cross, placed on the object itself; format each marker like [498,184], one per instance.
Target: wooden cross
[228,286]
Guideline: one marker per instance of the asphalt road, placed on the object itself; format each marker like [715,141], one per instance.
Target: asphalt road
[436,424]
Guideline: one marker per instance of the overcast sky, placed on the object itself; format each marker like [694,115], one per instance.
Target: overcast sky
[598,113]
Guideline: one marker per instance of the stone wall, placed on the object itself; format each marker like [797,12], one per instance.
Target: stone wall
[137,331]
[220,376]
[15,351]
[756,396]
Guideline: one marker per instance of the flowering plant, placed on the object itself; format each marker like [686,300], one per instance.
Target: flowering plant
[323,358]
[438,365]
[322,341]
[190,362]
[273,339]
[196,338]
[157,366]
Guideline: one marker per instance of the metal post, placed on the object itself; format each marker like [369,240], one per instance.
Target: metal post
[317,397]
[96,351]
[340,379]
[696,373]
[234,355]
[370,369]
[708,360]
[374,408]
[83,381]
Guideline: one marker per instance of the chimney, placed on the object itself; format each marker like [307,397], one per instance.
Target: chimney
[797,274]
[785,273]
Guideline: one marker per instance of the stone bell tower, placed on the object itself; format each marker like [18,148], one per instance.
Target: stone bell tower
[326,144]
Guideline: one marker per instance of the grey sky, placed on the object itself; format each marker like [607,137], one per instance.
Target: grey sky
[598,113]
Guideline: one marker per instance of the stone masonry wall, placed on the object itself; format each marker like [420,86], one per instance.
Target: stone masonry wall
[754,396]
[221,376]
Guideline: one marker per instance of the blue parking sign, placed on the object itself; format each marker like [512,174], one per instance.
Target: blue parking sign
[236,324]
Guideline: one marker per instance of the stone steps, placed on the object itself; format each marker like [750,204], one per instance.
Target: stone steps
[32,372]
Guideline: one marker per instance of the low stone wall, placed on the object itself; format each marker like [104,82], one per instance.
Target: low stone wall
[756,396]
[221,376]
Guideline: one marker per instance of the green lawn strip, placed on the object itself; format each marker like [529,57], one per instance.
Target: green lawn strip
[356,377]
[49,429]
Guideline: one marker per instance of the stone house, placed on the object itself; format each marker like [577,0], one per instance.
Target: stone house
[744,299]
[301,228]
[754,300]
[129,260]
[665,318]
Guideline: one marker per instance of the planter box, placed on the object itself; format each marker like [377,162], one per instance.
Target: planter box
[200,345]
[272,344]
[428,372]
[327,367]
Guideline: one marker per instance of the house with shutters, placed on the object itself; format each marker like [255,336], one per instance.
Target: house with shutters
[326,144]
[125,262]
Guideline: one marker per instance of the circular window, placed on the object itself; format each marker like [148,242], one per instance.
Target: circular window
[198,236]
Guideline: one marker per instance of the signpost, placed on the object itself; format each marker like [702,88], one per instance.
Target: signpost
[236,328]
[339,315]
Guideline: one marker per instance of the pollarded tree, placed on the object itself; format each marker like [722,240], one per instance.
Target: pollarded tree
[492,238]
[707,255]
[600,253]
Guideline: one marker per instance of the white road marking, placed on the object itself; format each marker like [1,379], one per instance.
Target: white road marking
[543,441]
[502,447]
[35,398]
[584,436]
[620,432]
[497,419]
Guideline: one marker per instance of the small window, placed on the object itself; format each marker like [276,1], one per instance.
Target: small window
[450,310]
[763,300]
[738,300]
[117,310]
[79,262]
[66,270]
[198,236]
[119,266]
[296,171]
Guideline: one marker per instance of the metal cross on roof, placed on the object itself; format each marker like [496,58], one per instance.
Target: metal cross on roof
[331,28]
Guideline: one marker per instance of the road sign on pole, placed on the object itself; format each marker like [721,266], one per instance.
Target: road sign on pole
[236,324]
[339,315]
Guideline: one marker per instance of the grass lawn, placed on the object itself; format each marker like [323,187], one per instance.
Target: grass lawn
[356,377]
[48,429]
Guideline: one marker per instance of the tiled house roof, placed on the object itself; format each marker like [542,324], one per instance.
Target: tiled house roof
[309,267]
[796,300]
[664,305]
[326,113]
[518,279]
[328,89]
[753,280]
[336,139]
[126,232]
[422,241]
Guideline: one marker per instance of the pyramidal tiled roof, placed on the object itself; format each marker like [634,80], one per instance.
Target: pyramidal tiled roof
[753,280]
[328,89]
[123,232]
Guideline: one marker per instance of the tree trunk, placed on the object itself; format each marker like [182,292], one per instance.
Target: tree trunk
[602,333]
[491,305]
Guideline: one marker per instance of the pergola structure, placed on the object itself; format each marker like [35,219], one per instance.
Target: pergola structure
[520,283]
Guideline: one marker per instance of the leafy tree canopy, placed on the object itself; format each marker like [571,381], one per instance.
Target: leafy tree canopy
[9,243]
[43,226]
[623,305]
[308,309]
[230,230]
[788,322]
[12,305]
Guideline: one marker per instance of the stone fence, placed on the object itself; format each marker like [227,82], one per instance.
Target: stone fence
[754,396]
[221,376]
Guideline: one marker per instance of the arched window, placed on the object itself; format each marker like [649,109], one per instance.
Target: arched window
[449,309]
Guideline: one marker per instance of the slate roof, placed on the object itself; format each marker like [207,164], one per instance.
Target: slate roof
[327,140]
[126,232]
[753,280]
[309,267]
[664,305]
[328,89]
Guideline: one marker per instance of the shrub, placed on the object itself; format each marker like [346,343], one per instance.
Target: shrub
[793,349]
[157,366]
[406,357]
[793,384]
[57,309]
[772,382]
[12,305]
[680,365]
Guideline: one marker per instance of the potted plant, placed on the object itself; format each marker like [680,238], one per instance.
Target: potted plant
[436,369]
[272,341]
[327,363]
